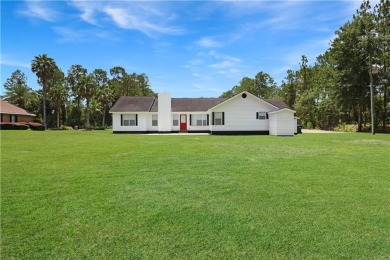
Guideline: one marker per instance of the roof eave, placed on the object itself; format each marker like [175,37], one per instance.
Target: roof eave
[21,114]
[246,92]
[280,110]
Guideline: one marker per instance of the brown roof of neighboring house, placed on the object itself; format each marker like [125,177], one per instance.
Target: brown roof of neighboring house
[7,108]
[150,104]
[133,104]
[190,104]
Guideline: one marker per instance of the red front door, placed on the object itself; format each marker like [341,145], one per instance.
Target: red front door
[183,122]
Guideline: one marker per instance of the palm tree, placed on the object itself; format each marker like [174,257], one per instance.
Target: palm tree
[95,111]
[44,67]
[105,97]
[87,90]
[58,96]
[75,75]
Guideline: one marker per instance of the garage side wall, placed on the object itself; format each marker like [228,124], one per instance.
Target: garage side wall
[282,123]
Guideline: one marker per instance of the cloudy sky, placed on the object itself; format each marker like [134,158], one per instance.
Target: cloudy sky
[188,48]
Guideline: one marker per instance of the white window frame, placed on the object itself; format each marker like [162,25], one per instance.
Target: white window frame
[129,120]
[261,115]
[199,120]
[218,118]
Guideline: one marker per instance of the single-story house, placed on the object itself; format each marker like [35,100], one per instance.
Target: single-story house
[242,114]
[13,114]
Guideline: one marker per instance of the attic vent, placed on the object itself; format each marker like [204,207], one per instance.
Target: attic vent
[243,95]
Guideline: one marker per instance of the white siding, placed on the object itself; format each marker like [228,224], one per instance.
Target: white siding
[149,126]
[141,127]
[240,114]
[282,122]
[177,127]
[164,112]
[295,125]
[191,127]
[273,124]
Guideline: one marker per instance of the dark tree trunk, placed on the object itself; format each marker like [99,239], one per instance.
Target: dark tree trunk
[104,117]
[87,115]
[58,117]
[360,121]
[384,107]
[44,111]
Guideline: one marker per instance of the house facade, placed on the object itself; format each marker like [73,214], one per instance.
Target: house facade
[241,114]
[10,113]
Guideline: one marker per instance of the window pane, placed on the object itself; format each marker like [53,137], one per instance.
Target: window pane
[193,120]
[154,120]
[175,120]
[261,115]
[218,118]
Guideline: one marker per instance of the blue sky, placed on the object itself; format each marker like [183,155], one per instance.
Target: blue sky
[187,48]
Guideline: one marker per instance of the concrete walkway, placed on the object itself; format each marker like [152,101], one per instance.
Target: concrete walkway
[317,131]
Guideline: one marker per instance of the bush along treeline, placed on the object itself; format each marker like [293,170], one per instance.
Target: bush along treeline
[334,93]
[80,99]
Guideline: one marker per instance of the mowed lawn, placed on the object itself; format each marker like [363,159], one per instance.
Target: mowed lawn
[82,194]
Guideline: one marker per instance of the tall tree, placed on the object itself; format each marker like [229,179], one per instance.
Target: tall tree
[103,94]
[144,86]
[87,90]
[265,85]
[73,79]
[105,98]
[289,88]
[44,67]
[262,85]
[16,90]
[350,58]
[382,22]
[58,93]
[58,96]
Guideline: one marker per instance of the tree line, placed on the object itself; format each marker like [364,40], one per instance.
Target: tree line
[333,91]
[74,99]
[336,89]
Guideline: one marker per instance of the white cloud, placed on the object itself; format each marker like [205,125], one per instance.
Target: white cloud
[87,9]
[127,20]
[148,18]
[14,63]
[225,64]
[40,10]
[208,42]
[69,34]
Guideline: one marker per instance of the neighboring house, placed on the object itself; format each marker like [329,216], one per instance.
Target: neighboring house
[13,114]
[241,114]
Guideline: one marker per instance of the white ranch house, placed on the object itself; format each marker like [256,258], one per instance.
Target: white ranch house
[241,114]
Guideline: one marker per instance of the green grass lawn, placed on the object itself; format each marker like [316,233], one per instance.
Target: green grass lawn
[82,194]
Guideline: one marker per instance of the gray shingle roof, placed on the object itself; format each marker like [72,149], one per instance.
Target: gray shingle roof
[277,103]
[190,104]
[133,104]
[150,104]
